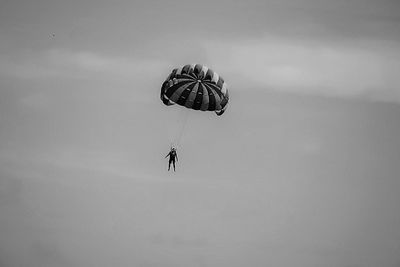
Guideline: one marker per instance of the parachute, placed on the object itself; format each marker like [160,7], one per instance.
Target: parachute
[195,87]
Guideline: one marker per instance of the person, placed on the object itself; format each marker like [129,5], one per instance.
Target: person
[172,156]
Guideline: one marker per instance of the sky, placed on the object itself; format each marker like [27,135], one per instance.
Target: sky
[301,170]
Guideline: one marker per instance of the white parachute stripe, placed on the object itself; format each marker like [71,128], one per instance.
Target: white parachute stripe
[183,80]
[215,77]
[224,88]
[179,71]
[174,81]
[204,70]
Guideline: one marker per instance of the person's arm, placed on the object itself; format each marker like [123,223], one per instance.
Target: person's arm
[168,154]
[176,156]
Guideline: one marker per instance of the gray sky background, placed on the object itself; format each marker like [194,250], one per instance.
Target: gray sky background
[302,170]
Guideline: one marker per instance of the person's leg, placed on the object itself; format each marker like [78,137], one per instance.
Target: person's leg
[169,165]
[174,164]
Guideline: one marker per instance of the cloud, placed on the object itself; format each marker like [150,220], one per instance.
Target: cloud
[336,69]
[79,64]
[94,62]
[24,68]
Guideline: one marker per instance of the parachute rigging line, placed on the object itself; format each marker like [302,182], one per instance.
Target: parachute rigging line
[182,129]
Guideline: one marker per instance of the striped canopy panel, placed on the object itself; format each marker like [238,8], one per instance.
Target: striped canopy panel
[197,87]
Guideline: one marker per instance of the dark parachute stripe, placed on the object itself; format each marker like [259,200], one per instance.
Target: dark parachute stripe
[162,94]
[211,99]
[166,101]
[184,95]
[184,76]
[224,104]
[177,94]
[192,96]
[173,73]
[185,69]
[224,101]
[197,69]
[199,97]
[208,76]
[215,88]
[190,71]
[164,87]
[174,87]
[192,75]
[219,97]
[206,100]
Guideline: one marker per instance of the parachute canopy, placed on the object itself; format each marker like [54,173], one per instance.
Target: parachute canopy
[196,87]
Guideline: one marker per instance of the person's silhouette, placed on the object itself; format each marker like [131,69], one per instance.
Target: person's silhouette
[172,156]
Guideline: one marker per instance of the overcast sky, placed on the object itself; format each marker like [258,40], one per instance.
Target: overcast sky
[301,170]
